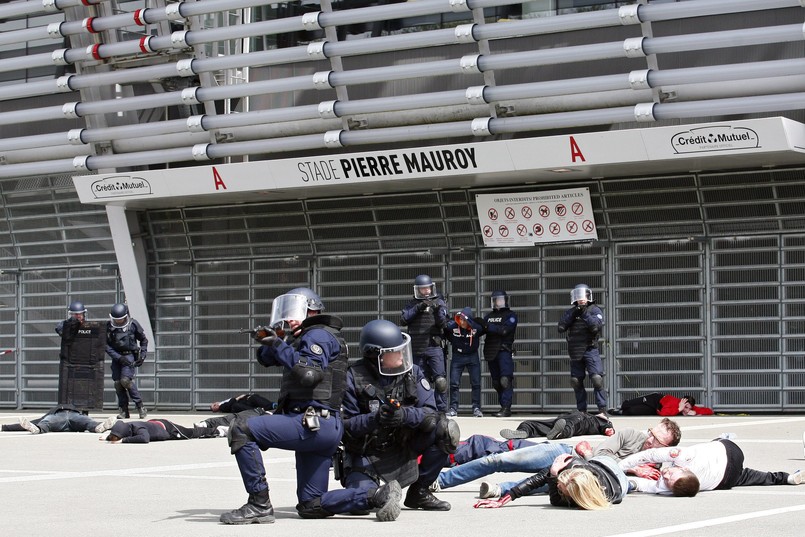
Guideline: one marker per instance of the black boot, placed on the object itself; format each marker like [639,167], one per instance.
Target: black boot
[123,413]
[257,510]
[421,498]
[558,430]
[386,500]
[504,412]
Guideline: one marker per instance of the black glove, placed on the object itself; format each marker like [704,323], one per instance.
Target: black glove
[391,416]
[266,336]
[580,310]
[422,306]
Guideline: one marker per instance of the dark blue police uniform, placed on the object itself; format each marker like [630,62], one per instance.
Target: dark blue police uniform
[425,320]
[313,381]
[501,325]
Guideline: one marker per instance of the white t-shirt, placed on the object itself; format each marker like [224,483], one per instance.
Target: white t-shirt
[708,461]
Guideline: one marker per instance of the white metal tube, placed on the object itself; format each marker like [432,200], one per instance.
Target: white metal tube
[13,10]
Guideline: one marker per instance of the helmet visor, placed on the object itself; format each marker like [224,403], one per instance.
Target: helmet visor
[499,302]
[120,322]
[425,291]
[396,360]
[288,308]
[581,293]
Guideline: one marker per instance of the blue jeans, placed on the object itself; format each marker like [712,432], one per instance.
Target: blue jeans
[528,459]
[66,421]
[473,365]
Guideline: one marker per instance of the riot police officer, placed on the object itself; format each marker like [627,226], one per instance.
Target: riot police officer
[426,317]
[500,325]
[68,328]
[308,345]
[582,325]
[127,345]
[390,419]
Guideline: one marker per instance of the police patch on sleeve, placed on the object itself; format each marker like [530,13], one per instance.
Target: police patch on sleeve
[425,384]
[316,349]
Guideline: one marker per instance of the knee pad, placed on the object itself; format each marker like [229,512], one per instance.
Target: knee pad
[440,384]
[576,384]
[598,381]
[238,435]
[505,383]
[496,385]
[125,382]
[118,386]
[312,509]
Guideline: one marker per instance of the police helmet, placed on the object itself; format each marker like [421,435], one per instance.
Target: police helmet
[294,306]
[385,346]
[119,315]
[581,291]
[424,287]
[499,300]
[76,307]
[313,300]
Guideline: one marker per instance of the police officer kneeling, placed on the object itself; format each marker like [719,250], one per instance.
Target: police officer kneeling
[390,418]
[307,421]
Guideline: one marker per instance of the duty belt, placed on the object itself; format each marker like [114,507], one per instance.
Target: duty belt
[323,412]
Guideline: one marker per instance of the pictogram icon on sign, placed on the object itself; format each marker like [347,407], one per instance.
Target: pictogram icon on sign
[493,214]
[504,231]
[487,231]
[577,208]
[526,211]
[554,228]
[509,213]
[538,230]
[572,227]
[522,230]
[544,211]
[587,226]
[561,210]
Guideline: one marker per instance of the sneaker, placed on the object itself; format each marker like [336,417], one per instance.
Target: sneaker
[795,478]
[221,431]
[513,434]
[434,487]
[476,413]
[105,425]
[200,424]
[489,490]
[452,413]
[143,412]
[28,426]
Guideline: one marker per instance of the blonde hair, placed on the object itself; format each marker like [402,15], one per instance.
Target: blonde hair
[583,489]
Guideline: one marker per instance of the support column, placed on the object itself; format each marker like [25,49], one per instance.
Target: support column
[131,266]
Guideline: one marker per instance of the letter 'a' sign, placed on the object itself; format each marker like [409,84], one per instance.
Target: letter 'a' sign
[528,219]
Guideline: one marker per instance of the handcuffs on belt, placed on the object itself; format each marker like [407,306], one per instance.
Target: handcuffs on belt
[310,419]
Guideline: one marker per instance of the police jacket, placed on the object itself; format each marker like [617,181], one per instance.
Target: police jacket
[124,344]
[501,325]
[464,341]
[362,431]
[315,363]
[582,328]
[425,319]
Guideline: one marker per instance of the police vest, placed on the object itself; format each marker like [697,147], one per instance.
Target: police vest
[422,329]
[494,343]
[579,337]
[330,391]
[123,341]
[403,389]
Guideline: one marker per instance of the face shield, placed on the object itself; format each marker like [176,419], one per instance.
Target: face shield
[396,360]
[581,293]
[424,291]
[499,302]
[120,322]
[288,308]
